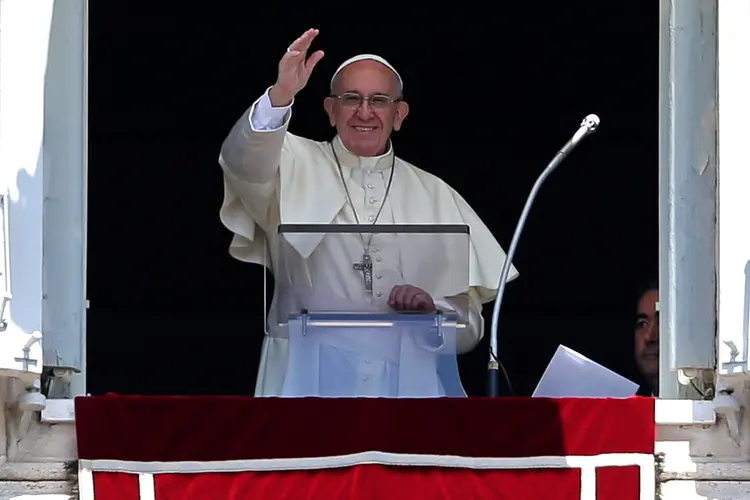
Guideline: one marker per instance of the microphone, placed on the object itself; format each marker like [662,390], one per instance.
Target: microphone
[588,126]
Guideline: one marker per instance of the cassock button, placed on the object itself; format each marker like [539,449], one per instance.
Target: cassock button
[373,201]
[379,294]
[367,361]
[370,186]
[365,378]
[379,276]
[371,218]
[379,259]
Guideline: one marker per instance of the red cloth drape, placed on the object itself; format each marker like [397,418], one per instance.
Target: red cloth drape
[134,432]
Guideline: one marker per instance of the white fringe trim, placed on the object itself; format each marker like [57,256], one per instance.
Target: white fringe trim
[85,483]
[146,487]
[586,464]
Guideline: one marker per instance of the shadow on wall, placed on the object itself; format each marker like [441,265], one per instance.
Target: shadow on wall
[24,208]
[24,71]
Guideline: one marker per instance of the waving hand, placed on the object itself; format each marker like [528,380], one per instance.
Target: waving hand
[295,69]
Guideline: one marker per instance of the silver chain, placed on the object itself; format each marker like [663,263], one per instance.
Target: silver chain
[351,203]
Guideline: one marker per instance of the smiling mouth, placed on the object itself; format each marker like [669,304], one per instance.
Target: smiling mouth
[363,129]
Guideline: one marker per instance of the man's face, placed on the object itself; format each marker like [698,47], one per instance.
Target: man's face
[647,335]
[365,125]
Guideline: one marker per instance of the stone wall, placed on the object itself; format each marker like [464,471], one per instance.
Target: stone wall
[707,462]
[33,455]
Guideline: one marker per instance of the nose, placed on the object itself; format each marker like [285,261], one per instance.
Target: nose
[652,335]
[364,111]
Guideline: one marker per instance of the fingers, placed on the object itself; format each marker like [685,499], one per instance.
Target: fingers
[313,60]
[418,302]
[295,67]
[297,51]
[302,44]
[396,299]
[409,298]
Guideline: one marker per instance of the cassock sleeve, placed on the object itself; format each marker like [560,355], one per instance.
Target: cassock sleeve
[250,159]
[264,117]
[252,151]
[469,308]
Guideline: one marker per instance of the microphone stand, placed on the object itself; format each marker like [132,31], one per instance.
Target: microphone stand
[588,126]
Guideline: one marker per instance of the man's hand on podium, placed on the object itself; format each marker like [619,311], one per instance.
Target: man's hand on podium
[408,298]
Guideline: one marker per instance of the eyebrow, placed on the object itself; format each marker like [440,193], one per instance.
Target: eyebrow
[646,316]
[358,93]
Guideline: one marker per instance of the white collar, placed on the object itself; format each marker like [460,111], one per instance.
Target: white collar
[349,159]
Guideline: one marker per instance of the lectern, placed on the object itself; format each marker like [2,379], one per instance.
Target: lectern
[331,300]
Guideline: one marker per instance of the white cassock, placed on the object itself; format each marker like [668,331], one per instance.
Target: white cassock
[273,177]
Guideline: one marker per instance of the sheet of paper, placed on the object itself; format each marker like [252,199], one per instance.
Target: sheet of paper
[573,375]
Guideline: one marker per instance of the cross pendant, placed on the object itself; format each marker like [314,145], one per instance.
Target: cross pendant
[365,267]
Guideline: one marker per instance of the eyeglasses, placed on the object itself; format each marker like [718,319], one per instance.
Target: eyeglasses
[354,100]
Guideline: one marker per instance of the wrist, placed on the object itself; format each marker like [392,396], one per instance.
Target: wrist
[279,97]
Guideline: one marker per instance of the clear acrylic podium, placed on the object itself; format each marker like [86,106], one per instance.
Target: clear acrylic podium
[332,289]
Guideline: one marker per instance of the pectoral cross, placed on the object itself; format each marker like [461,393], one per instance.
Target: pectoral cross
[365,267]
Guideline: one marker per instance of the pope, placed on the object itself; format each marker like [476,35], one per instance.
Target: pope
[273,177]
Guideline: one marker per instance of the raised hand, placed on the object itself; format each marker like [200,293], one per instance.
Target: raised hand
[295,69]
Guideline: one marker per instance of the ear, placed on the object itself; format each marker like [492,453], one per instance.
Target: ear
[402,111]
[329,104]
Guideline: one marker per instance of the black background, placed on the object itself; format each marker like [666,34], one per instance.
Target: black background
[495,89]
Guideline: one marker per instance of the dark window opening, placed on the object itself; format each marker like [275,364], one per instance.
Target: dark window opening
[493,97]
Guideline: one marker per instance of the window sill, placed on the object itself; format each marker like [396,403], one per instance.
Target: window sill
[668,412]
[684,412]
[59,411]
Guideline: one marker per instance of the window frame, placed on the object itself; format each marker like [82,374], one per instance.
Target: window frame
[675,230]
[688,176]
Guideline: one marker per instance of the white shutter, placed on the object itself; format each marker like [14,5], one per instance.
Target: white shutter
[65,139]
[24,41]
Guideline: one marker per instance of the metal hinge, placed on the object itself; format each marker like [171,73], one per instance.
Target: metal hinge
[4,301]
